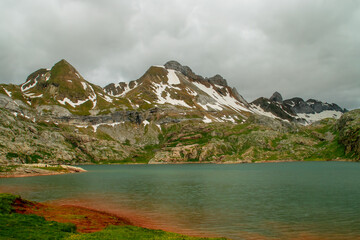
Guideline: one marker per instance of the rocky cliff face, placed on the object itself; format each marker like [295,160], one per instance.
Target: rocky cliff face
[349,132]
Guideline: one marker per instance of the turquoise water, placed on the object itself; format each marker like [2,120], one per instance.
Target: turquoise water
[297,200]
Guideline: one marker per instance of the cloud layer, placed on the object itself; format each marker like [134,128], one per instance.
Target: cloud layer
[305,48]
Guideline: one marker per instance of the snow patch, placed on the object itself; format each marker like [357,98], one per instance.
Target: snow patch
[38,96]
[172,77]
[228,119]
[96,126]
[145,122]
[258,110]
[70,81]
[71,103]
[7,92]
[23,89]
[313,117]
[126,89]
[292,104]
[107,98]
[159,66]
[191,92]
[158,125]
[209,106]
[226,100]
[207,120]
[93,97]
[84,85]
[77,75]
[159,89]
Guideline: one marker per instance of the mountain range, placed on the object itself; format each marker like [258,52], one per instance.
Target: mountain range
[174,89]
[144,118]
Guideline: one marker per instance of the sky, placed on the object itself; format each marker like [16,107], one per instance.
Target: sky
[300,48]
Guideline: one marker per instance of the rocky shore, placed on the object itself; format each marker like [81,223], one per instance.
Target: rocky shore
[30,170]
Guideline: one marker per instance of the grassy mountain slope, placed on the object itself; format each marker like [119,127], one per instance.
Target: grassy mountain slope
[259,138]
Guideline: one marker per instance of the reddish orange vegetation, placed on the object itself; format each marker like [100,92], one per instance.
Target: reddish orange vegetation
[86,220]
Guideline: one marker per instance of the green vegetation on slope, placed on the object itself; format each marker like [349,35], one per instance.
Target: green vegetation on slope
[255,140]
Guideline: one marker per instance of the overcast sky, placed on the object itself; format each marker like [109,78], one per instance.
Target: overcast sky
[304,48]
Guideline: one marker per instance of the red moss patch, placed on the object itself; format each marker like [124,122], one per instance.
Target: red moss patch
[87,220]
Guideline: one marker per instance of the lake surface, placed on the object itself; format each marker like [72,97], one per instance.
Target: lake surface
[295,200]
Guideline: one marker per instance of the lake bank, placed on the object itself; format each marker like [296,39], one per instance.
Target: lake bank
[32,170]
[20,217]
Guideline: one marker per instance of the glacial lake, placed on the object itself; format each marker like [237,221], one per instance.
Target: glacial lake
[294,200]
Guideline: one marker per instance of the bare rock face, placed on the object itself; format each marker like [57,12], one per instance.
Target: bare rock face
[183,69]
[276,97]
[349,132]
[218,80]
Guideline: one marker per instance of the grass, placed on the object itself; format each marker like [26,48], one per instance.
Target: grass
[55,169]
[8,168]
[22,226]
[134,233]
[18,226]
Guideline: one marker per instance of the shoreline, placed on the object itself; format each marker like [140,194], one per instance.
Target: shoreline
[89,217]
[34,170]
[132,216]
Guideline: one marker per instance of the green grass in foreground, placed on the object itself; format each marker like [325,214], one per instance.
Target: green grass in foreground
[135,233]
[20,226]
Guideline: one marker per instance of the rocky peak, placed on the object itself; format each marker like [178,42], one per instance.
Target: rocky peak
[218,80]
[298,105]
[276,97]
[174,65]
[319,106]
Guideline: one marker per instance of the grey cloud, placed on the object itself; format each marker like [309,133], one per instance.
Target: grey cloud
[300,48]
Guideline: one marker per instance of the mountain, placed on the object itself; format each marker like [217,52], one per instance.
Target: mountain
[170,114]
[63,90]
[167,93]
[178,89]
[296,109]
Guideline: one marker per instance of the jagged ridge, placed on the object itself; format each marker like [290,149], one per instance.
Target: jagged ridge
[296,109]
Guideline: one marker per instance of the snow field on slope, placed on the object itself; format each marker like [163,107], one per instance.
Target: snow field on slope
[172,77]
[160,88]
[260,111]
[221,100]
[71,103]
[313,117]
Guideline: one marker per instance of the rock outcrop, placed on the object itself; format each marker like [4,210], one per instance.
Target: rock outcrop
[349,132]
